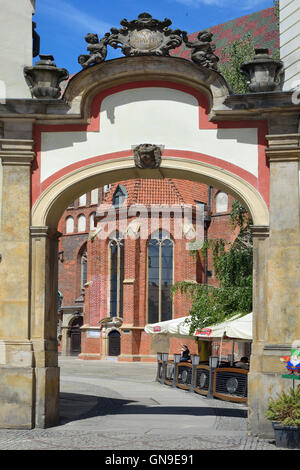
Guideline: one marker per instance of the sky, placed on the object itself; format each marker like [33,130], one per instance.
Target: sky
[63,24]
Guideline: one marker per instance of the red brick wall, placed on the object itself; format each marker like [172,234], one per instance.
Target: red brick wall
[136,343]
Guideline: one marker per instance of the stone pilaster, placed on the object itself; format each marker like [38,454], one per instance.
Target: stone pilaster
[260,236]
[279,325]
[284,250]
[44,289]
[16,357]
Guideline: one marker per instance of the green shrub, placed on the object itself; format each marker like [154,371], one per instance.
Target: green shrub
[286,408]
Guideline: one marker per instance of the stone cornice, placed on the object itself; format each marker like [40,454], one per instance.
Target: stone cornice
[283,147]
[260,231]
[81,89]
[43,232]
[16,152]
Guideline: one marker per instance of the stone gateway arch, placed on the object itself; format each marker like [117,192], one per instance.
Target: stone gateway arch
[53,149]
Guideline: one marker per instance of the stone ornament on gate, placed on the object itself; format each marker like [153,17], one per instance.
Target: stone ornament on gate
[147,156]
[147,36]
[144,36]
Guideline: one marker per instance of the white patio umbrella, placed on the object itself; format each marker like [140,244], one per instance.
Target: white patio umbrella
[176,327]
[237,327]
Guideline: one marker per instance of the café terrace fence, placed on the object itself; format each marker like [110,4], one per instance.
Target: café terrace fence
[226,383]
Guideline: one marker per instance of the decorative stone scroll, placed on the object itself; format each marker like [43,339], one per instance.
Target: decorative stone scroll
[147,156]
[203,50]
[144,36]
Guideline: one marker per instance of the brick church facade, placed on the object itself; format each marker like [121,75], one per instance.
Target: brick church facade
[106,280]
[116,281]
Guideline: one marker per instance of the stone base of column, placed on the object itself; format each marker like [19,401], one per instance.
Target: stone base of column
[17,397]
[29,397]
[264,382]
[47,397]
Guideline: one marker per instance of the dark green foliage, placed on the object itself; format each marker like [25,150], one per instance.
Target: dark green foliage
[286,408]
[233,269]
[232,57]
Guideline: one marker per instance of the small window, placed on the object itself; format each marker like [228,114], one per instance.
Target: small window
[221,202]
[92,221]
[94,196]
[69,225]
[81,223]
[82,200]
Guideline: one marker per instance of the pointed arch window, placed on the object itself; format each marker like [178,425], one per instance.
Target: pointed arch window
[221,202]
[160,277]
[81,223]
[69,225]
[116,253]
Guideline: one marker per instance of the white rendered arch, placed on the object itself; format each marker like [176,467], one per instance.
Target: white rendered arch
[50,205]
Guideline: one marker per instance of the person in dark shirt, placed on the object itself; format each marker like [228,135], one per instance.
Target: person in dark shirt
[185,354]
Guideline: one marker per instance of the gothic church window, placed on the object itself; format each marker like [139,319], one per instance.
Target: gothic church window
[116,252]
[160,277]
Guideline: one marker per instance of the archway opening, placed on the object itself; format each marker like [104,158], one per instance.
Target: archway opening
[58,197]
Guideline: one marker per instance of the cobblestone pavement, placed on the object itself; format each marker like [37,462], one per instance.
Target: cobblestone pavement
[106,405]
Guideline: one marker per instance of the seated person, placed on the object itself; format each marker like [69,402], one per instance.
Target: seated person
[185,354]
[243,363]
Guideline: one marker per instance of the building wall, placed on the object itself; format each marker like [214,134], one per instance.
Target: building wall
[290,41]
[135,343]
[16,47]
[71,246]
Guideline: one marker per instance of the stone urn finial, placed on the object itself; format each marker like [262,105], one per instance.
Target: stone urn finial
[44,78]
[262,72]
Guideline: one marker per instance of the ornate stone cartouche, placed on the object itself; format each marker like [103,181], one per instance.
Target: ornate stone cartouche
[203,50]
[262,72]
[44,78]
[144,36]
[147,156]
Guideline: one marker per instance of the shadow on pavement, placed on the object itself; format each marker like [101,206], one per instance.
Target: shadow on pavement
[75,406]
